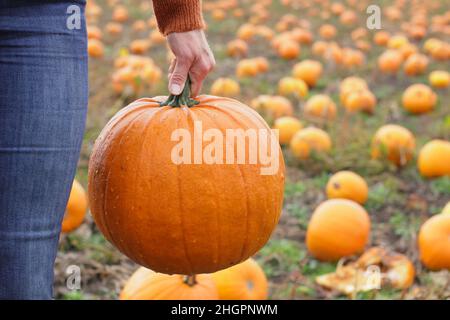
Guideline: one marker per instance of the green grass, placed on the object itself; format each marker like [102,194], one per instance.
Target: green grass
[280,256]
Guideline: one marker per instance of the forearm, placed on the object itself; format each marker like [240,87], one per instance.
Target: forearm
[178,15]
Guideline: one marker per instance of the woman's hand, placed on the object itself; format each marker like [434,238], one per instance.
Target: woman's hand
[192,56]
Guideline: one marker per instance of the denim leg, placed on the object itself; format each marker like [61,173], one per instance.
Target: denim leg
[43,102]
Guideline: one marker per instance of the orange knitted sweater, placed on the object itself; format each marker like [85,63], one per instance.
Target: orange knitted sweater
[178,15]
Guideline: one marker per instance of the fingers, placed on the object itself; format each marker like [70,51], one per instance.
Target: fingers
[198,73]
[178,76]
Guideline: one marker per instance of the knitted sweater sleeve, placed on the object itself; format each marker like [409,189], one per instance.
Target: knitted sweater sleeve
[178,15]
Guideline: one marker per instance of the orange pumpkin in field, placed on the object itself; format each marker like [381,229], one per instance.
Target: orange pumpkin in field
[320,106]
[309,140]
[394,142]
[114,28]
[291,86]
[390,61]
[415,64]
[381,38]
[434,159]
[338,228]
[95,48]
[225,87]
[120,14]
[360,100]
[247,68]
[244,281]
[308,71]
[76,208]
[419,98]
[327,31]
[145,284]
[347,185]
[141,194]
[287,127]
[237,48]
[439,79]
[139,46]
[273,106]
[289,50]
[434,242]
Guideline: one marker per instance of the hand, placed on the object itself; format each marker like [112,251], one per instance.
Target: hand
[192,56]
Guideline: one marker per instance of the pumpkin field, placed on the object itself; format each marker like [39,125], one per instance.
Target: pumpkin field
[363,118]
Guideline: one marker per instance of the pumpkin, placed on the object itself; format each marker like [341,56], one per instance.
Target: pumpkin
[441,51]
[439,79]
[347,185]
[289,50]
[246,31]
[434,159]
[75,209]
[287,127]
[394,142]
[139,46]
[273,106]
[338,228]
[218,15]
[95,48]
[94,32]
[113,28]
[390,61]
[308,140]
[419,98]
[247,68]
[397,41]
[320,106]
[349,85]
[120,14]
[244,281]
[237,48]
[262,63]
[225,87]
[182,218]
[434,242]
[308,71]
[146,284]
[291,86]
[381,38]
[319,48]
[415,64]
[360,100]
[327,31]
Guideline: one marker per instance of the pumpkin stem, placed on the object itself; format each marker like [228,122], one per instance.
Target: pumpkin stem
[190,280]
[183,99]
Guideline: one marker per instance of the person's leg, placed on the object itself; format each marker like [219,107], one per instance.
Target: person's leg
[43,102]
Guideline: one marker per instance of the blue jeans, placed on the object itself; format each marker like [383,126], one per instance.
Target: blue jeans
[43,103]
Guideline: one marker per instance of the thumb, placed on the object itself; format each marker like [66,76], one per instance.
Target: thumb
[178,78]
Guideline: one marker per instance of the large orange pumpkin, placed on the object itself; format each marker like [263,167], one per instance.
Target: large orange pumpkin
[244,281]
[76,208]
[145,284]
[338,228]
[434,159]
[183,218]
[434,242]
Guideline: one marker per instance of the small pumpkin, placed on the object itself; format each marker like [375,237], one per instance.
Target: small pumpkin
[244,281]
[397,41]
[75,209]
[237,48]
[419,98]
[287,127]
[415,64]
[247,68]
[291,86]
[360,100]
[338,228]
[381,38]
[120,14]
[308,71]
[434,242]
[113,28]
[289,50]
[320,106]
[390,61]
[225,87]
[347,185]
[139,46]
[95,48]
[434,159]
[394,142]
[327,31]
[439,79]
[145,284]
[309,140]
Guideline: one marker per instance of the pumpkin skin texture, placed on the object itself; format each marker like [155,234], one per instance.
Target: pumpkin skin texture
[185,218]
[347,185]
[287,127]
[309,139]
[434,159]
[145,284]
[419,98]
[434,242]
[244,281]
[338,228]
[308,71]
[395,142]
[321,106]
[76,208]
